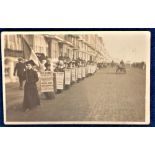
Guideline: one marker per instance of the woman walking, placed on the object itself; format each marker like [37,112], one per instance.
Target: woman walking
[31,97]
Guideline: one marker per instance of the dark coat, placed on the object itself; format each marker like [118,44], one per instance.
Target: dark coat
[19,68]
[31,97]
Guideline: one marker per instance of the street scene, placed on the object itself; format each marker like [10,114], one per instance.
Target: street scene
[89,100]
[60,78]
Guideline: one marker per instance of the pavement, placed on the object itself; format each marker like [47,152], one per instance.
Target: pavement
[105,96]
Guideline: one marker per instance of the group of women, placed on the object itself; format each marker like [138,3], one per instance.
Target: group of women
[31,77]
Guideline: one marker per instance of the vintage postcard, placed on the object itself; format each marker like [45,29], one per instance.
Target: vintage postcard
[76,77]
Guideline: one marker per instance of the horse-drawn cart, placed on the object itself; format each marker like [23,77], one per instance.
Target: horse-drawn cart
[120,69]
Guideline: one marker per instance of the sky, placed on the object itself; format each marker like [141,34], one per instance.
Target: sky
[128,45]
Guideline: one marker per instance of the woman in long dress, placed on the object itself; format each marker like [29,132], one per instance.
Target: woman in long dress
[31,97]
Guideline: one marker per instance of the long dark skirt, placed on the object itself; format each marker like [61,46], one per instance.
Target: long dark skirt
[31,97]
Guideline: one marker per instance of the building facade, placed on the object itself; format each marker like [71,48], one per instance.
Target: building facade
[88,47]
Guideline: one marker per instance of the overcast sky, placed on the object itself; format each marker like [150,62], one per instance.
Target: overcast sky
[129,46]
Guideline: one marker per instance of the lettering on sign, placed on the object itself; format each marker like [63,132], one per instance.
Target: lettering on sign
[83,72]
[76,73]
[67,76]
[60,80]
[79,73]
[73,75]
[46,81]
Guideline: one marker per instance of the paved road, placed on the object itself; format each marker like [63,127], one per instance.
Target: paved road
[105,96]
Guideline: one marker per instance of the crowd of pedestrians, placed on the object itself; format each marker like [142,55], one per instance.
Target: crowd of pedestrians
[73,71]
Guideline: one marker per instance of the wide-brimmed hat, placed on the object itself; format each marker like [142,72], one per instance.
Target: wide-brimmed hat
[31,62]
[20,59]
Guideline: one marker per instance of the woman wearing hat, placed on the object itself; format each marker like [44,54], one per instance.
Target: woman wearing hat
[31,97]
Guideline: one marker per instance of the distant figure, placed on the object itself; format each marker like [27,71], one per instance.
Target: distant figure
[121,67]
[112,64]
[143,65]
[122,63]
[31,97]
[20,68]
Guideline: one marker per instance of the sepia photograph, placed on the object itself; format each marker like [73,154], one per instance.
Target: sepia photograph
[76,77]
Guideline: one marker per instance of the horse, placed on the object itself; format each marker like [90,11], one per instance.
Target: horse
[120,69]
